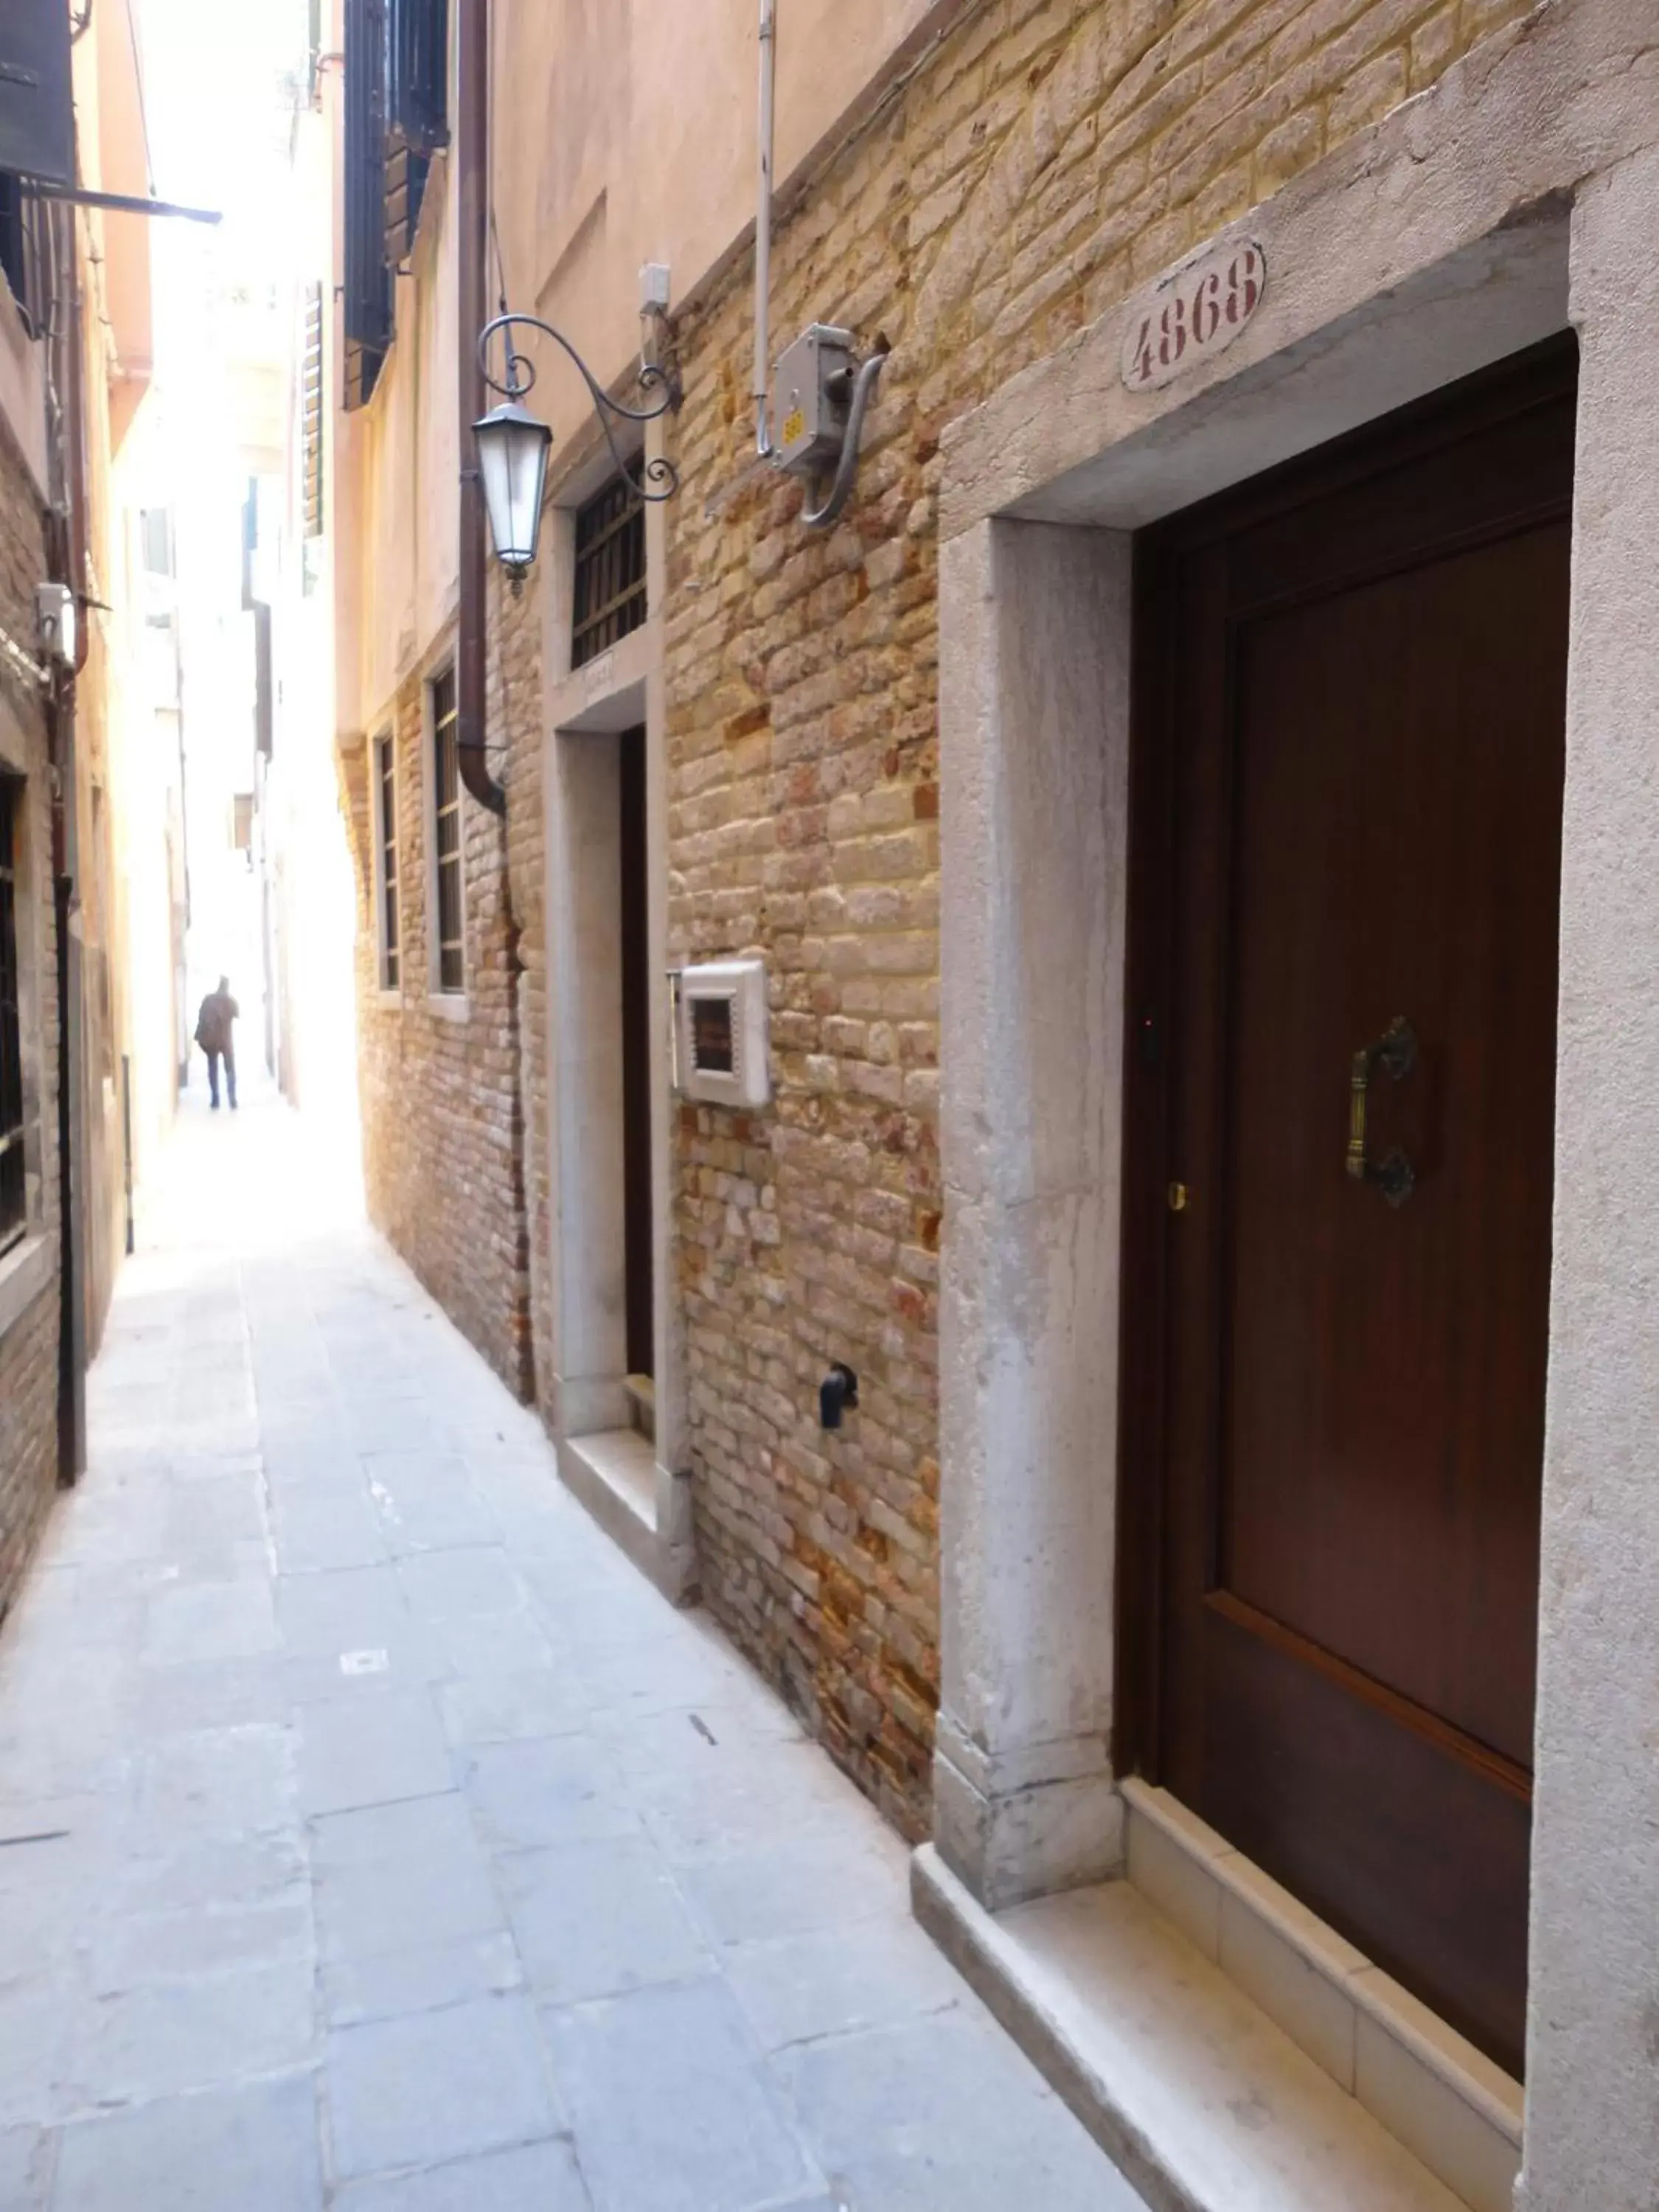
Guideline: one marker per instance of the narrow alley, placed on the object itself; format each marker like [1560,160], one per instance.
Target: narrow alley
[372,1835]
[890,1442]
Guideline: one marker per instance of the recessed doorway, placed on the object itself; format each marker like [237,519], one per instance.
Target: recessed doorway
[1345,858]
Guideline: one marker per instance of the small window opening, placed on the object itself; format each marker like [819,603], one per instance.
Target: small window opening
[609,597]
[385,805]
[447,834]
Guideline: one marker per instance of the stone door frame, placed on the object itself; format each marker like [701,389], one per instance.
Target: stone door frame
[1518,197]
[649,1510]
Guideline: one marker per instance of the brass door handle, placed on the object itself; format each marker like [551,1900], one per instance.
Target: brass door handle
[1395,1053]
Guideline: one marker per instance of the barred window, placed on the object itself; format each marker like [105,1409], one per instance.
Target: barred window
[609,599]
[447,835]
[386,830]
[13,1186]
[24,246]
[310,413]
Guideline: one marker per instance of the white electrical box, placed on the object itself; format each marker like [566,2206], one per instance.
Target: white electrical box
[813,392]
[723,1033]
[54,623]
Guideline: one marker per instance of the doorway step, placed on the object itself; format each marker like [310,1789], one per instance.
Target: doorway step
[642,1507]
[1230,2052]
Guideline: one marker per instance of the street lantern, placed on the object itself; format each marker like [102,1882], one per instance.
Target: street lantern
[513,449]
[513,444]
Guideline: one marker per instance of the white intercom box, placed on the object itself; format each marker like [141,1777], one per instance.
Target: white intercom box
[723,1033]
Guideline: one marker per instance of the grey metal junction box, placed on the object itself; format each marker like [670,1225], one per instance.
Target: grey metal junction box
[812,390]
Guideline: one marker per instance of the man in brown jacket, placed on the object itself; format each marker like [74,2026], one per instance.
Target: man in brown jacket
[213,1033]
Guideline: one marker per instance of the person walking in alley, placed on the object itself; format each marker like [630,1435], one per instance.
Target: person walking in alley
[213,1028]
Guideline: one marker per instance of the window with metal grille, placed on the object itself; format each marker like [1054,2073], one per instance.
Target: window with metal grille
[23,250]
[447,835]
[610,597]
[385,811]
[310,413]
[366,303]
[14,1182]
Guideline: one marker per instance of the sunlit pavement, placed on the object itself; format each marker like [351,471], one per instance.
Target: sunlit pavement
[372,1835]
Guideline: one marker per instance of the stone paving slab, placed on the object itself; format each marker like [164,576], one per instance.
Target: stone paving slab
[373,1838]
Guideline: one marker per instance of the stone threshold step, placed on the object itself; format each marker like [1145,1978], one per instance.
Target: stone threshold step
[1203,2103]
[613,1472]
[1445,2101]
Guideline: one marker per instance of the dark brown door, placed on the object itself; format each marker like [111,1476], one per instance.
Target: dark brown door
[1348,817]
[634,940]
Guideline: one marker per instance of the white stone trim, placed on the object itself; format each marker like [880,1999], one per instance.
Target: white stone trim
[1033,784]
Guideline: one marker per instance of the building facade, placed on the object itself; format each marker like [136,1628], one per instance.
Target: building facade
[74,362]
[1192,811]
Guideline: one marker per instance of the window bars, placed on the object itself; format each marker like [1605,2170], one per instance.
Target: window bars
[310,413]
[23,257]
[386,801]
[610,586]
[14,1182]
[447,835]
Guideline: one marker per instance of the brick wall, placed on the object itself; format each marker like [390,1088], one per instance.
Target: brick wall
[1051,157]
[29,1349]
[446,1144]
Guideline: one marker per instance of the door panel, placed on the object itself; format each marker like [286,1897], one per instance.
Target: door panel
[1348,802]
[1384,1417]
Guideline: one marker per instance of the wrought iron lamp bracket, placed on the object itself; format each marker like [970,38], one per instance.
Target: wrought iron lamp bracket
[520,375]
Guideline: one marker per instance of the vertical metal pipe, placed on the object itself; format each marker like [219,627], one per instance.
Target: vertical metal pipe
[769,47]
[126,1140]
[67,541]
[472,289]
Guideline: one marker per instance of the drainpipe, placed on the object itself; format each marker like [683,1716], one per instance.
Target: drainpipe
[768,50]
[472,312]
[69,564]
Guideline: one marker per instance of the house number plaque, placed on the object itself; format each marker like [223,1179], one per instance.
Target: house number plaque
[1197,312]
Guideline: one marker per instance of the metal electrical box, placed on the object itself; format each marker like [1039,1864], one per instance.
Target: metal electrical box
[721,1047]
[54,623]
[812,392]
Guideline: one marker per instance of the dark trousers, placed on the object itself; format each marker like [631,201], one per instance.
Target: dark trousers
[229,1059]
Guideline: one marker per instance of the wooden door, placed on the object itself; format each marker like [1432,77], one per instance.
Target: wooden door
[1348,808]
[633,927]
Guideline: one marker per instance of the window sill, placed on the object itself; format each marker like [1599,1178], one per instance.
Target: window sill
[449,1005]
[25,1272]
[388,1002]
